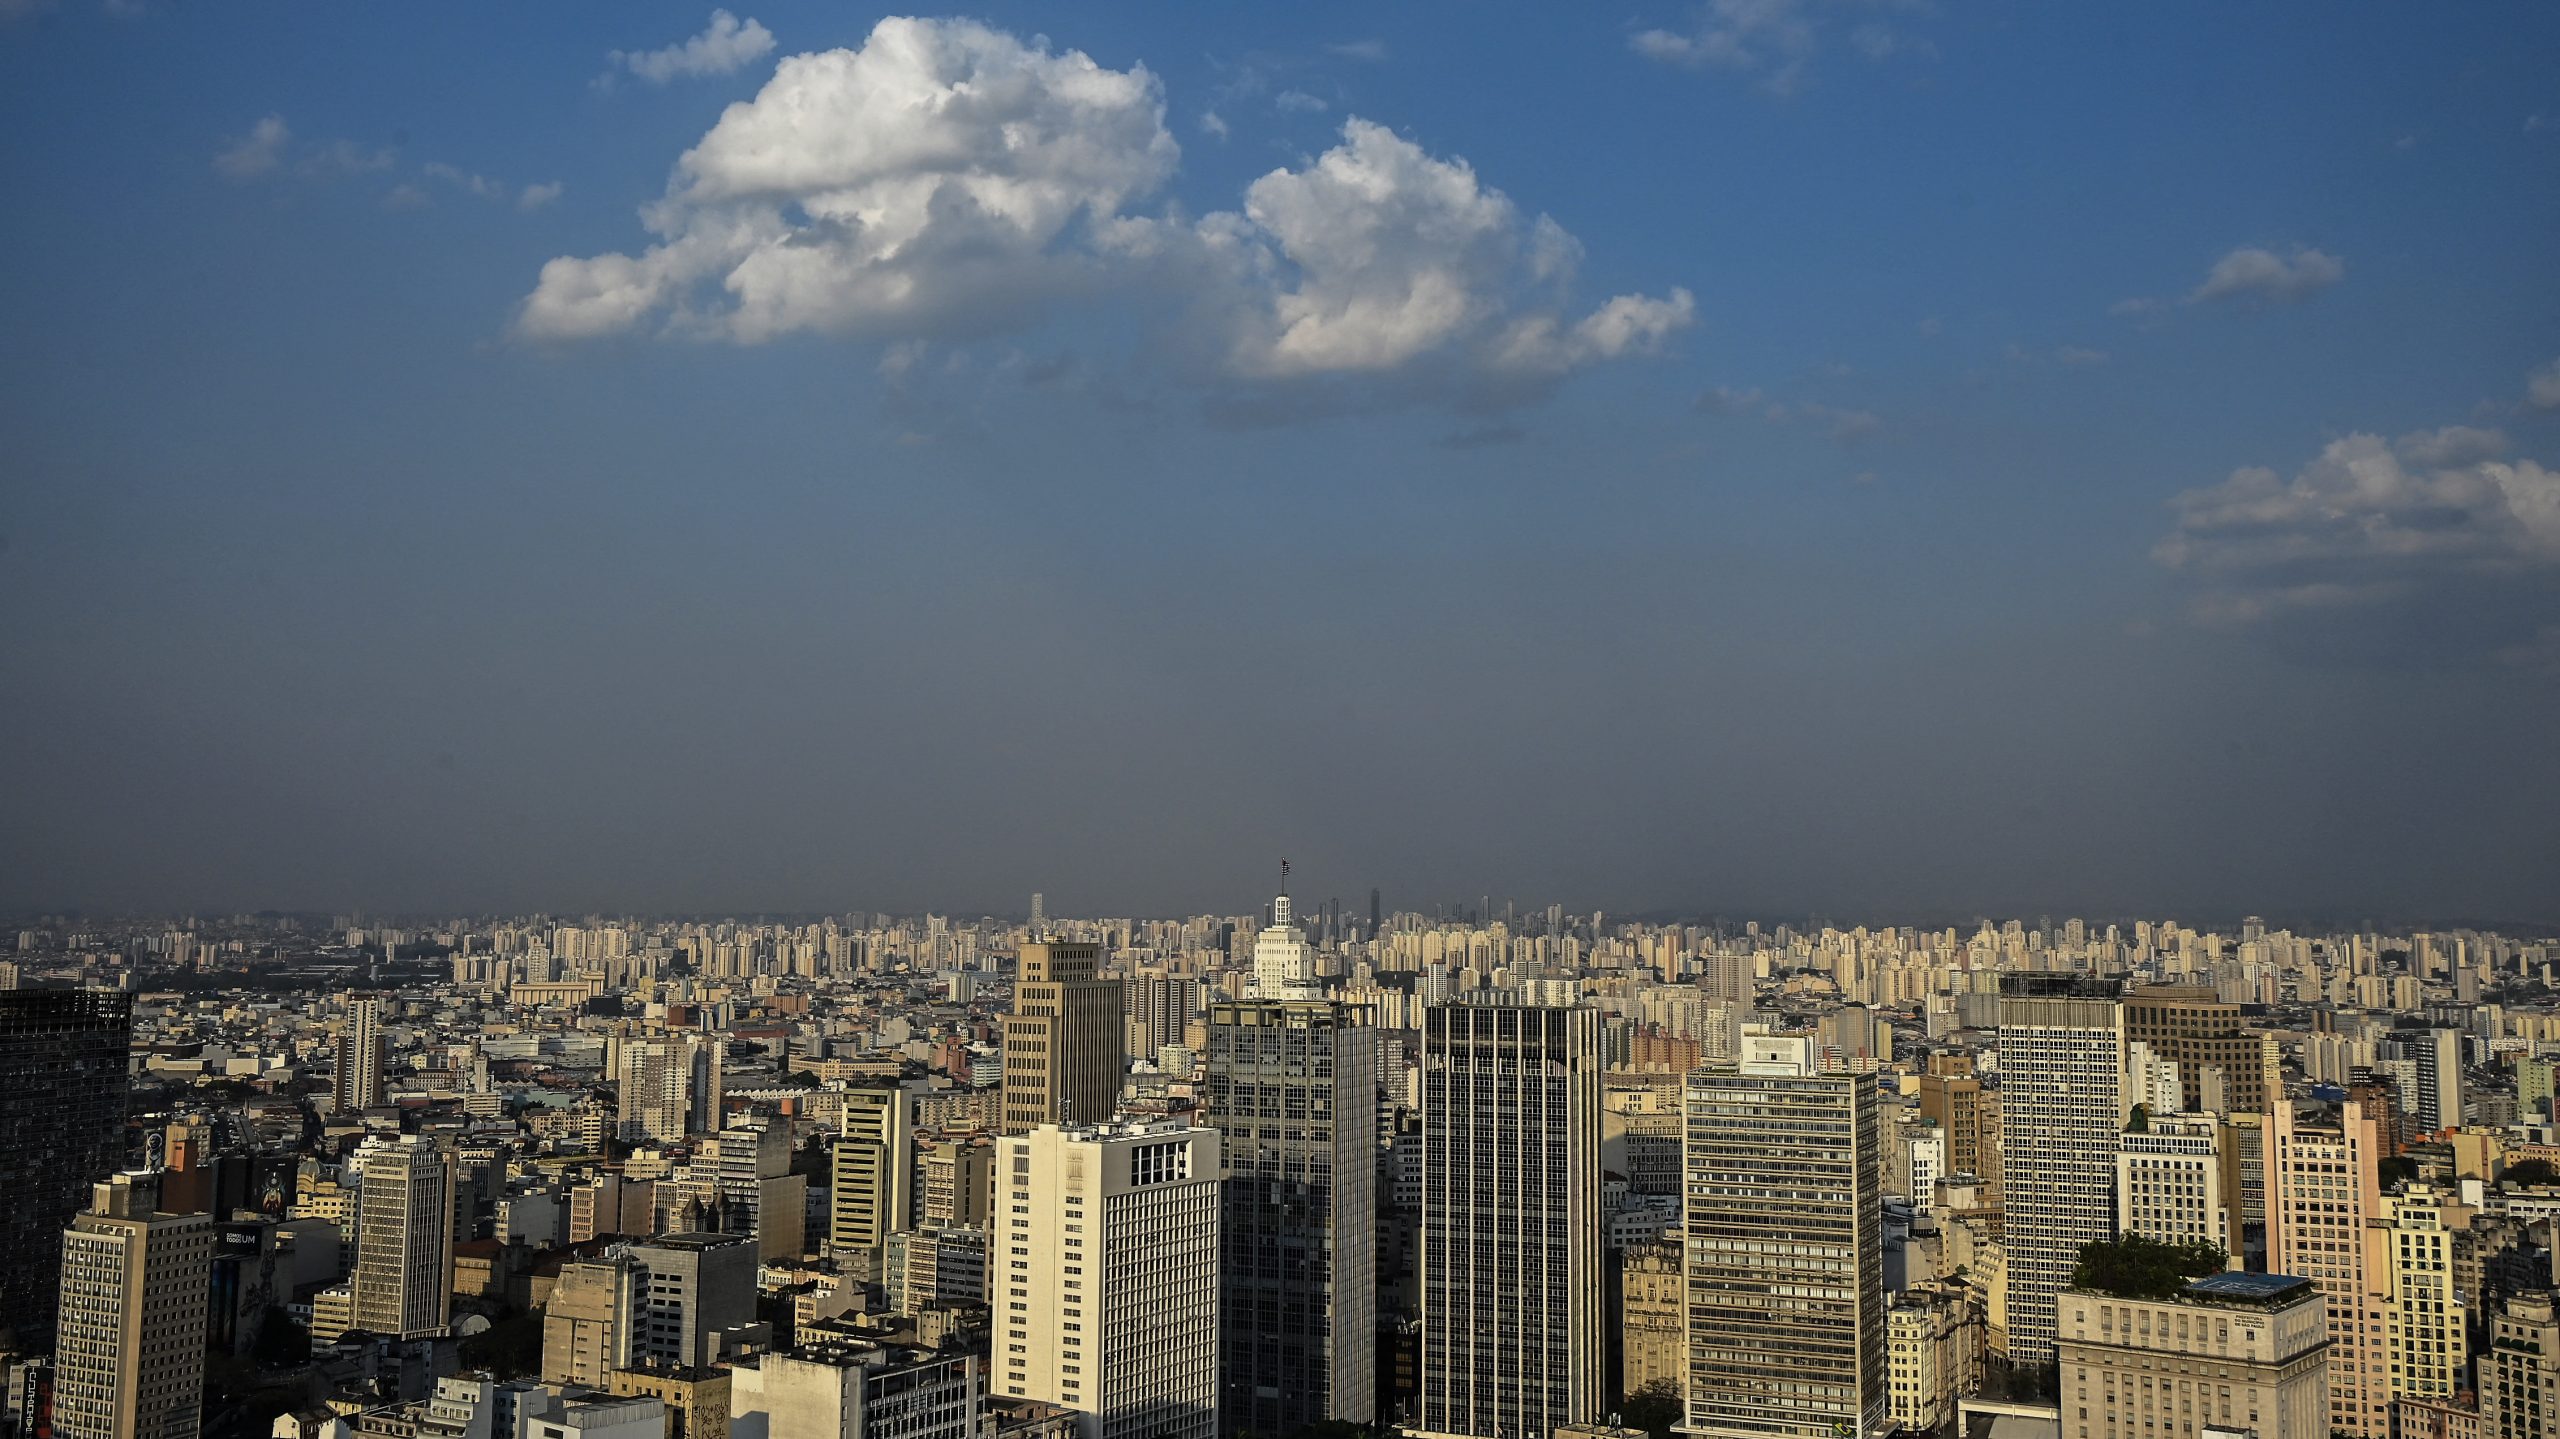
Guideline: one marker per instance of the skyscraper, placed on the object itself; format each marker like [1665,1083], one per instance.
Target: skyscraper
[2061,1086]
[1785,1237]
[669,1088]
[363,1051]
[2323,1198]
[1103,1276]
[1293,1092]
[1511,1219]
[403,1282]
[1062,1060]
[129,1352]
[870,1192]
[62,1072]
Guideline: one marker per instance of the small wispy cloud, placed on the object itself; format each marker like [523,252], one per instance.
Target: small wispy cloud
[2542,387]
[1368,52]
[1298,102]
[2252,273]
[1213,125]
[534,197]
[726,46]
[257,153]
[1776,41]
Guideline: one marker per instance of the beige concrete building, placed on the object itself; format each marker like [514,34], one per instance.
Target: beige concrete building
[1935,1346]
[857,1391]
[403,1281]
[129,1344]
[1062,1060]
[958,1173]
[2223,1068]
[587,1321]
[1103,1277]
[2425,1326]
[2323,1197]
[2520,1372]
[697,1400]
[1652,1305]
[2235,1353]
[872,1180]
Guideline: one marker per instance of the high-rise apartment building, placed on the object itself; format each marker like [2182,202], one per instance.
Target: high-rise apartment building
[2520,1371]
[758,1193]
[2223,1066]
[403,1281]
[2426,1324]
[363,1053]
[2062,1054]
[1785,1248]
[1293,1092]
[1967,1111]
[2233,1354]
[957,1174]
[669,1087]
[1512,1243]
[1653,1316]
[129,1348]
[2429,1064]
[1062,1043]
[62,1070]
[1102,1273]
[2323,1203]
[871,1182]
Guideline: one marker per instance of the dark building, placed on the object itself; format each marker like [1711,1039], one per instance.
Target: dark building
[1293,1091]
[62,1103]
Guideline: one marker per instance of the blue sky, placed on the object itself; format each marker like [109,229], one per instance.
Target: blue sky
[1780,456]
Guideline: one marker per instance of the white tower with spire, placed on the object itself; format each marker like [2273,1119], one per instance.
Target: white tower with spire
[1283,967]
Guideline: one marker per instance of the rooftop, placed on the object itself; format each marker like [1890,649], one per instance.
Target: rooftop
[2238,1287]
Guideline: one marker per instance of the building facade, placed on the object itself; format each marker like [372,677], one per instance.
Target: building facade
[2062,1052]
[1512,1221]
[1103,1277]
[62,1066]
[129,1348]
[1062,1042]
[1785,1249]
[403,1280]
[2323,1203]
[1293,1091]
[2234,1354]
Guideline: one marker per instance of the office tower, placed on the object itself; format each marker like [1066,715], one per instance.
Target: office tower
[936,1264]
[2426,1325]
[1375,920]
[1293,1092]
[858,1391]
[1103,1277]
[2169,1183]
[1039,915]
[1785,1235]
[957,1176]
[1160,1007]
[62,1072]
[758,1193]
[1968,1113]
[2061,1074]
[669,1088]
[363,1055]
[1283,967]
[2430,1065]
[2520,1371]
[2323,1198]
[403,1281]
[129,1348]
[2232,1354]
[1062,1042]
[2204,1036]
[590,1320]
[871,1182]
[695,1299]
[1511,1219]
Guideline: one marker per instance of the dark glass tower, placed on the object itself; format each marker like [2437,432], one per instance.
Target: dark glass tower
[1293,1092]
[62,1099]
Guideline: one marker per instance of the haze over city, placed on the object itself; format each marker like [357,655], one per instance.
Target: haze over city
[1890,462]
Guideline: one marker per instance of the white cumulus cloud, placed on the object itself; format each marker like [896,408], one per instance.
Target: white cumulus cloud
[948,180]
[2368,520]
[2251,273]
[726,46]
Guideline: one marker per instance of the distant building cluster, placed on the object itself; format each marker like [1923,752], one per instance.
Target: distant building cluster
[1297,1174]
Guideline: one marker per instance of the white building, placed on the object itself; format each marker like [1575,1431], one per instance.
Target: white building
[2169,1182]
[857,1391]
[1103,1277]
[1283,967]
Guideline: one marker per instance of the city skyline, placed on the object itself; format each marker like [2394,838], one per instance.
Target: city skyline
[1949,459]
